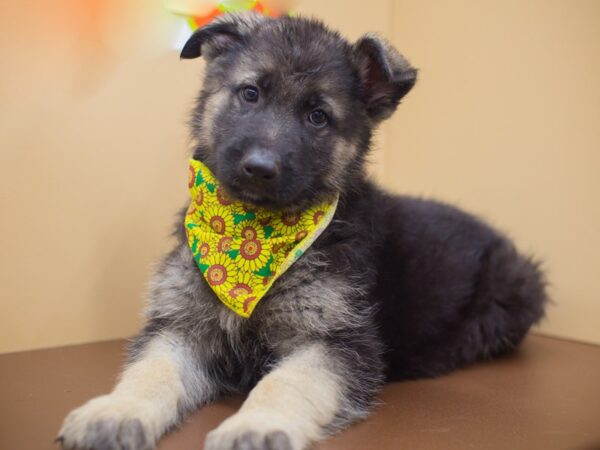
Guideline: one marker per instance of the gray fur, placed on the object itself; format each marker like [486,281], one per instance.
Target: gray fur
[276,440]
[112,435]
[395,288]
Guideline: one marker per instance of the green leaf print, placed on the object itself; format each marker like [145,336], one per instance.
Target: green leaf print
[266,270]
[268,231]
[237,218]
[199,178]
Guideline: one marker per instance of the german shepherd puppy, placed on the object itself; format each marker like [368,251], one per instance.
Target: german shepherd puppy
[396,288]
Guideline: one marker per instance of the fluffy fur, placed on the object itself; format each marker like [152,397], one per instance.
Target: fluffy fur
[396,288]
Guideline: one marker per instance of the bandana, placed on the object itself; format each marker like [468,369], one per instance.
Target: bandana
[242,249]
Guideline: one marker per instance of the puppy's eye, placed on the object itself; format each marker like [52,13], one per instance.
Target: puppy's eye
[250,94]
[318,118]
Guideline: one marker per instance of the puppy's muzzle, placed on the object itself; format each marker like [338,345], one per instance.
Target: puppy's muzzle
[260,166]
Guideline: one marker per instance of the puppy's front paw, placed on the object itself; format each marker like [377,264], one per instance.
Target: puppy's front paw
[106,423]
[246,432]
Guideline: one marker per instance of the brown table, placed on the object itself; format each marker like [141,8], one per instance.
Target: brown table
[546,396]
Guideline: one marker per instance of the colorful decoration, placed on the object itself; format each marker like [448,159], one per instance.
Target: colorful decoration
[199,13]
[242,249]
[193,14]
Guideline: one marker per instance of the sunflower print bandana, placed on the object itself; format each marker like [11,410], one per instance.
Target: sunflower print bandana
[242,249]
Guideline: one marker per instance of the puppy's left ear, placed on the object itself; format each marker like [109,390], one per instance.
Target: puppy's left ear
[386,76]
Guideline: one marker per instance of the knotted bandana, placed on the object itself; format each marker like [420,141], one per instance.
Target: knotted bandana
[242,249]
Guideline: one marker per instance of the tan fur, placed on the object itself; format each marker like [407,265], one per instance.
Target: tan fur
[301,396]
[148,393]
[344,153]
[214,106]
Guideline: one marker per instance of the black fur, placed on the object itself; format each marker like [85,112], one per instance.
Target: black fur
[395,288]
[298,66]
[446,288]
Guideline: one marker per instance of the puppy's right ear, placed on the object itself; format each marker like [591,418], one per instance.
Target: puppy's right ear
[211,40]
[221,35]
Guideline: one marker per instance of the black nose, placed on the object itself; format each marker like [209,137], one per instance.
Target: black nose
[260,166]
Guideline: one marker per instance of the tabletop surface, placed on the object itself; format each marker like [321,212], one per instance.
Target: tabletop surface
[545,396]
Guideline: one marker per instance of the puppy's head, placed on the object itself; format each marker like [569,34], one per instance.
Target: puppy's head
[287,108]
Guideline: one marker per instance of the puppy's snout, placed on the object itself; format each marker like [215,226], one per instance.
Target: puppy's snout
[260,165]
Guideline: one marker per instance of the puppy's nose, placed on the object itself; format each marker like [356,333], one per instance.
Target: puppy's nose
[260,166]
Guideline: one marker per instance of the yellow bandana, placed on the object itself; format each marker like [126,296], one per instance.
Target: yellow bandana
[242,249]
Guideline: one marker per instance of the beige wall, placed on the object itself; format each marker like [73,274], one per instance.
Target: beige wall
[93,147]
[505,121]
[93,150]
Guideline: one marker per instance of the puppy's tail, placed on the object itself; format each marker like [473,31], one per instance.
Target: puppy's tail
[510,297]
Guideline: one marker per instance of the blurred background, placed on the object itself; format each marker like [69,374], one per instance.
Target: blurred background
[504,122]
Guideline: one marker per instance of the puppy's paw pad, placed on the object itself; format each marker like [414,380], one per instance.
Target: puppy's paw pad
[105,424]
[248,440]
[278,440]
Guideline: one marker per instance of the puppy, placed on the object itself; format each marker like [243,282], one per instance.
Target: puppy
[394,288]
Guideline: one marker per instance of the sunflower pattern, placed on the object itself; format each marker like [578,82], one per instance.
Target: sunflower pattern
[313,216]
[242,249]
[242,285]
[221,271]
[218,217]
[288,224]
[250,254]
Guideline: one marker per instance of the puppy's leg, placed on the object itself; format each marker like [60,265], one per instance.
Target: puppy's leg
[163,380]
[290,408]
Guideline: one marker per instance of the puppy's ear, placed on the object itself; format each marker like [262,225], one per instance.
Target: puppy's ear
[386,76]
[221,35]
